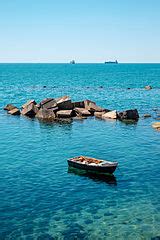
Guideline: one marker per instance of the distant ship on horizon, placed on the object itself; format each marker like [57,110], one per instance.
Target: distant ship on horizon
[111,62]
[72,62]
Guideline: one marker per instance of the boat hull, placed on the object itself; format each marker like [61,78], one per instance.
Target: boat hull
[101,169]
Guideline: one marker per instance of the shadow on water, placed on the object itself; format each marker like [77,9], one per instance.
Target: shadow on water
[107,178]
[65,123]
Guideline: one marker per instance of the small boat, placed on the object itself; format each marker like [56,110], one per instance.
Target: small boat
[112,62]
[72,62]
[92,164]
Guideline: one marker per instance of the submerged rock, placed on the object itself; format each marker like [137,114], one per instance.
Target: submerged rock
[156,125]
[111,115]
[147,115]
[79,118]
[155,238]
[45,114]
[128,115]
[9,107]
[14,111]
[148,87]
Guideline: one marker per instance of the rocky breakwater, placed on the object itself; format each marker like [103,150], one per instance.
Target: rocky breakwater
[55,109]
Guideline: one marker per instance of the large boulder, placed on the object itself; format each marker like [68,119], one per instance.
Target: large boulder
[14,111]
[82,112]
[64,103]
[9,107]
[79,104]
[92,107]
[29,110]
[128,115]
[156,125]
[110,115]
[46,114]
[64,113]
[48,103]
[28,103]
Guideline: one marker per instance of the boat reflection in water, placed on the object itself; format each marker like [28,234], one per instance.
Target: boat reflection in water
[107,178]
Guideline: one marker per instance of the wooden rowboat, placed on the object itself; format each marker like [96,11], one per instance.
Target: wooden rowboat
[92,164]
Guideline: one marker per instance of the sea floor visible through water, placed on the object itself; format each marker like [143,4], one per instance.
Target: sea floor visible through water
[40,198]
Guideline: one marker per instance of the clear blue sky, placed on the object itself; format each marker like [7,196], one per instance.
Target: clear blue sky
[84,30]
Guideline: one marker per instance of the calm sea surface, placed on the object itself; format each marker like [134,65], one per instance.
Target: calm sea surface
[40,198]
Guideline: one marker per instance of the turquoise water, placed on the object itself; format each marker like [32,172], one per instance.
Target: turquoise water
[40,198]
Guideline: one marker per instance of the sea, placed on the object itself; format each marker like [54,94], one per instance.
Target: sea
[40,197]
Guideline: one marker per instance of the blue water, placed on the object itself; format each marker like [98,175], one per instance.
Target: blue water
[40,198]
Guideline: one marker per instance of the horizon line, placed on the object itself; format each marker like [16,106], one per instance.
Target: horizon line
[78,63]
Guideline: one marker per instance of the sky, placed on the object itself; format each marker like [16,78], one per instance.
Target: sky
[84,30]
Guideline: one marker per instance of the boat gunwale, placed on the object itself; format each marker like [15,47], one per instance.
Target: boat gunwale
[106,163]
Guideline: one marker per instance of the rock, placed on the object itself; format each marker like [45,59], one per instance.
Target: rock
[79,118]
[64,113]
[64,103]
[30,110]
[148,87]
[28,103]
[82,112]
[48,103]
[46,114]
[128,114]
[91,106]
[9,107]
[14,111]
[111,115]
[99,114]
[38,105]
[147,115]
[156,125]
[62,99]
[78,104]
